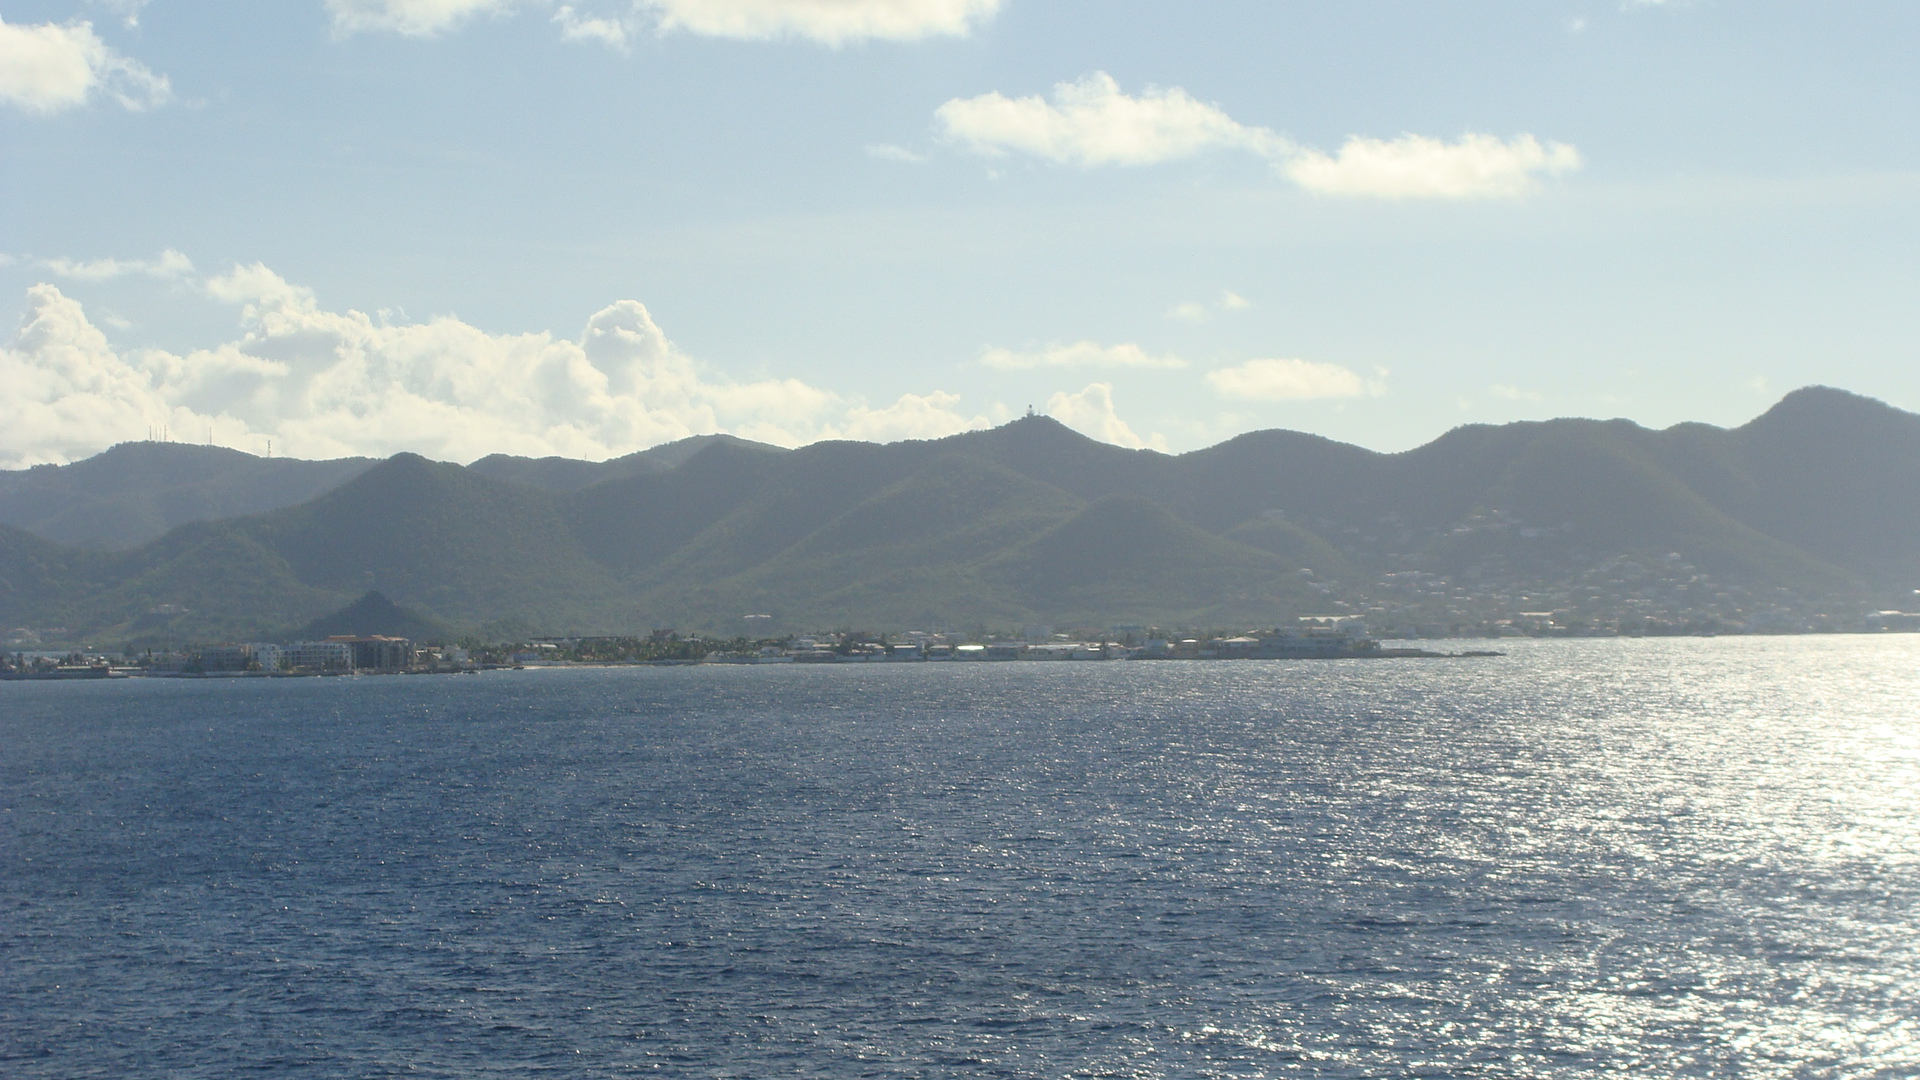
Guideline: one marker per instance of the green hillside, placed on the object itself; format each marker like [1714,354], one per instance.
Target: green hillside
[568,474]
[909,555]
[1124,559]
[135,492]
[1814,506]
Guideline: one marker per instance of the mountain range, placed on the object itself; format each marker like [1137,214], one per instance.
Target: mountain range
[1812,507]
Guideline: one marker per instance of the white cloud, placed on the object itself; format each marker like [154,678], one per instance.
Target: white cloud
[1513,393]
[1195,311]
[1091,122]
[890,152]
[68,394]
[831,22]
[1290,380]
[413,18]
[169,264]
[1079,354]
[914,416]
[1090,412]
[48,67]
[1417,167]
[129,10]
[322,383]
[577,27]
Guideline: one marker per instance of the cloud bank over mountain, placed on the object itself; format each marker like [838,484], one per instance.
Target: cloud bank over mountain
[323,383]
[1091,413]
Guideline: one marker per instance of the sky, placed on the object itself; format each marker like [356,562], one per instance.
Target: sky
[460,227]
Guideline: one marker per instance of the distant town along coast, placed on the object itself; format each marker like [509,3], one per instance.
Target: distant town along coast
[1327,638]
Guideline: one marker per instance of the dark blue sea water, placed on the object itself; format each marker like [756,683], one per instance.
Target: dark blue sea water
[1651,858]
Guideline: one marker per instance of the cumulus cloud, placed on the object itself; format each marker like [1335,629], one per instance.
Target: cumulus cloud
[324,383]
[169,264]
[1090,412]
[1417,167]
[48,67]
[1092,123]
[68,393]
[914,416]
[1079,354]
[1290,380]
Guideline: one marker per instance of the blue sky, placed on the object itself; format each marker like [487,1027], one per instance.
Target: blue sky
[461,226]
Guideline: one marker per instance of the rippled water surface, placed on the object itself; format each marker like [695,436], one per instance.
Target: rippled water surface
[1662,858]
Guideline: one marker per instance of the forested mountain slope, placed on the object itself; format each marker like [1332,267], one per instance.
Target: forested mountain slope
[1816,503]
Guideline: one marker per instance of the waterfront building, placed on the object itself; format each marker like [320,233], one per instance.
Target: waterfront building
[223,657]
[319,656]
[377,652]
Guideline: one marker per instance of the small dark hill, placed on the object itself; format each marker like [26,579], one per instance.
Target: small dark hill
[375,614]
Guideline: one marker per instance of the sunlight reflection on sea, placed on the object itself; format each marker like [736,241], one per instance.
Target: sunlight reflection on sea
[1657,857]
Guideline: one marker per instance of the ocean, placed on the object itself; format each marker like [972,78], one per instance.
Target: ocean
[1657,858]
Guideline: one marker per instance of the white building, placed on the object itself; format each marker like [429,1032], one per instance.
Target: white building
[320,655]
